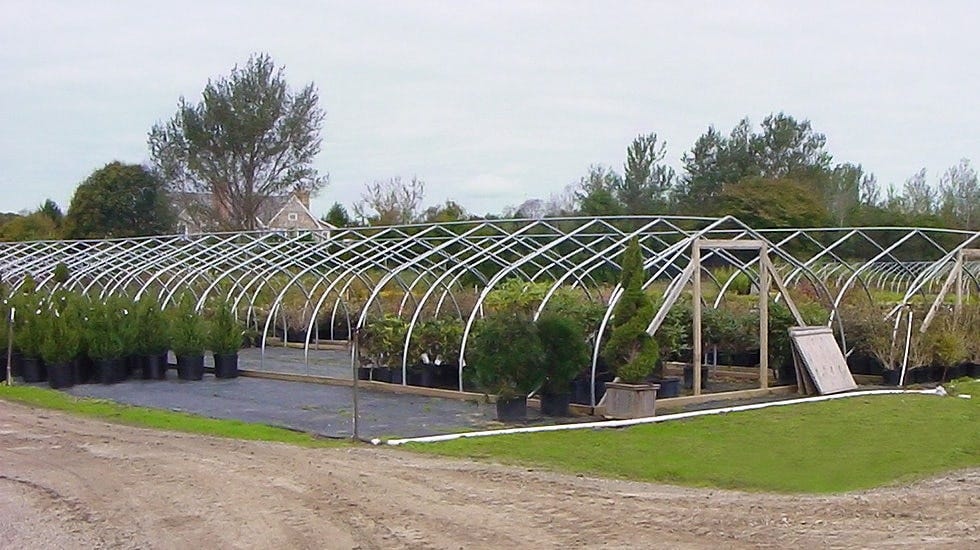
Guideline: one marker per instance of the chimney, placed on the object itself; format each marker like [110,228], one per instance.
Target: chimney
[304,197]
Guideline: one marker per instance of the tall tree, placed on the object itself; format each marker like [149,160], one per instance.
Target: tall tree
[646,179]
[595,192]
[753,202]
[784,148]
[918,197]
[790,148]
[714,161]
[119,200]
[337,216]
[249,138]
[33,226]
[842,191]
[959,196]
[532,209]
[450,211]
[51,209]
[391,201]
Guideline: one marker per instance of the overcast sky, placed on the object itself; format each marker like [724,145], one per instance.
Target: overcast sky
[491,103]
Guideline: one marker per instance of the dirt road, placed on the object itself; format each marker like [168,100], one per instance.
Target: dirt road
[68,482]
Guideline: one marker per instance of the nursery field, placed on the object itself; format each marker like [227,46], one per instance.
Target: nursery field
[69,481]
[830,446]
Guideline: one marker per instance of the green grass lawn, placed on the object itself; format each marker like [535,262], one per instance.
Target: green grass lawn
[824,447]
[157,418]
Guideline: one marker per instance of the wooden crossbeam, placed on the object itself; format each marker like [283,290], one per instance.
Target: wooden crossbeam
[730,244]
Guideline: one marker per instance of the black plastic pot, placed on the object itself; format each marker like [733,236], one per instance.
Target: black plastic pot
[860,363]
[689,377]
[957,371]
[786,373]
[16,364]
[669,387]
[83,370]
[33,371]
[190,367]
[132,366]
[601,378]
[580,391]
[742,358]
[154,367]
[381,374]
[971,369]
[446,376]
[512,410]
[396,375]
[891,377]
[226,365]
[915,375]
[422,375]
[555,404]
[363,373]
[60,375]
[109,371]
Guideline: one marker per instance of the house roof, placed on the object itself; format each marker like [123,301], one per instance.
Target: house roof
[293,198]
[268,210]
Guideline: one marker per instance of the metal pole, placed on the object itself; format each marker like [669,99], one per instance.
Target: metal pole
[696,321]
[764,316]
[355,361]
[10,347]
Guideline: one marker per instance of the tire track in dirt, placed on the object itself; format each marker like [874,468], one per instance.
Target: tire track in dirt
[117,486]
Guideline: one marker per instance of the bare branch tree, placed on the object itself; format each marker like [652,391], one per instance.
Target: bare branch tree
[391,201]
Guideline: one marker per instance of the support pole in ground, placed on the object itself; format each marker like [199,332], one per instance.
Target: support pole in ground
[355,360]
[10,347]
[696,317]
[959,284]
[764,316]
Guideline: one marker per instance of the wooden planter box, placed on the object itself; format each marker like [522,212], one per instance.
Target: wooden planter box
[630,400]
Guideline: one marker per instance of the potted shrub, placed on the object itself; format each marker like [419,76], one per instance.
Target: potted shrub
[507,360]
[61,273]
[224,341]
[104,342]
[152,340]
[29,327]
[674,335]
[59,347]
[381,342]
[565,352]
[188,339]
[631,352]
[425,351]
[869,337]
[435,353]
[129,334]
[948,347]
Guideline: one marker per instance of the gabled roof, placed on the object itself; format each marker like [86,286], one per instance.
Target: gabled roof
[293,198]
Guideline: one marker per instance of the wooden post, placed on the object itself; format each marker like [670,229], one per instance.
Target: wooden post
[764,316]
[696,321]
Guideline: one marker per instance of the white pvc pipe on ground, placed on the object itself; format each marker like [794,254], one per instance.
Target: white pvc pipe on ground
[652,419]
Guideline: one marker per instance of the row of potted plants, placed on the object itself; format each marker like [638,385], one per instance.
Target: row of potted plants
[433,354]
[948,349]
[513,356]
[67,338]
